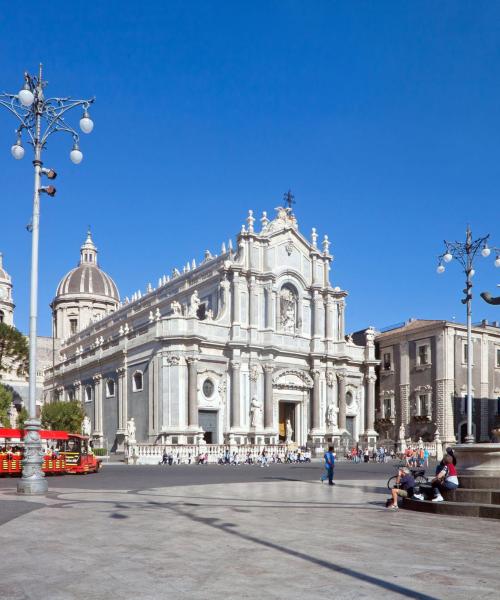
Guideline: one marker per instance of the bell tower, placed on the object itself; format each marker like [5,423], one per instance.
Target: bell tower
[6,301]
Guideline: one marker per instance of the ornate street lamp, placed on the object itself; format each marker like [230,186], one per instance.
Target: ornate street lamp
[39,118]
[465,253]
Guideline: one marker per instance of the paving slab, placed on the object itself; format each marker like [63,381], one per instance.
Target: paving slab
[275,539]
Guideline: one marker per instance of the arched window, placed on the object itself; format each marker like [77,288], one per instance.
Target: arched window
[88,393]
[110,388]
[2,316]
[71,395]
[137,381]
[288,309]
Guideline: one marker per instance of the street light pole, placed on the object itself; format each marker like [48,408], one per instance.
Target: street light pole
[39,118]
[465,253]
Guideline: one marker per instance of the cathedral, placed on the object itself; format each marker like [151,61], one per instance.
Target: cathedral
[248,346]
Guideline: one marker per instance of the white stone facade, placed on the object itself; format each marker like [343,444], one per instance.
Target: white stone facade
[229,351]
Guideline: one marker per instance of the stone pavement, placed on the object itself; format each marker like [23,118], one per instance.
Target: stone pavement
[278,539]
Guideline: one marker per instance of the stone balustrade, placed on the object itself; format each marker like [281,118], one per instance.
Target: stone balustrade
[151,454]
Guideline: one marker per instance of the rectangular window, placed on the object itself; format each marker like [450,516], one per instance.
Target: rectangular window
[73,325]
[466,352]
[387,361]
[423,355]
[387,408]
[498,357]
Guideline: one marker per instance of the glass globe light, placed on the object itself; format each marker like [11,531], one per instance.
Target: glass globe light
[472,273]
[26,97]
[486,252]
[17,150]
[75,155]
[86,123]
[497,261]
[448,257]
[440,269]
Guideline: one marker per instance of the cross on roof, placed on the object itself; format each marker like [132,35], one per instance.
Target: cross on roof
[289,199]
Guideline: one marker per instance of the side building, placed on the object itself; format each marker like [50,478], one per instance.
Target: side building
[248,346]
[422,385]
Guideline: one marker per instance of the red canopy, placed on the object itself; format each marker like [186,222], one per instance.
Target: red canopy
[45,434]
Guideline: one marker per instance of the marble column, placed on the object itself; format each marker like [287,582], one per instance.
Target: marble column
[329,319]
[98,391]
[315,416]
[370,402]
[318,321]
[235,394]
[268,396]
[342,401]
[122,399]
[236,317]
[192,391]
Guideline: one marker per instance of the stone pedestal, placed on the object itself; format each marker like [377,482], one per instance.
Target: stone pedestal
[478,459]
[369,439]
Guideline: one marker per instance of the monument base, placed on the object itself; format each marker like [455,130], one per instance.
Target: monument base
[478,459]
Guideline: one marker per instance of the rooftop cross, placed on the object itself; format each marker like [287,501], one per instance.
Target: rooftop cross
[289,199]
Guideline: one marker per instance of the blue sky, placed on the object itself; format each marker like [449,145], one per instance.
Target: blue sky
[382,117]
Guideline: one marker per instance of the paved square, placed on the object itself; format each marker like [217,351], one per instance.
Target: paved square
[272,533]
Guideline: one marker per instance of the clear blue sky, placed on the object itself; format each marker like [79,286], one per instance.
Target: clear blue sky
[382,117]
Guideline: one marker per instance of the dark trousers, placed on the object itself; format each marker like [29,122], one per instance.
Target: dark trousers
[329,470]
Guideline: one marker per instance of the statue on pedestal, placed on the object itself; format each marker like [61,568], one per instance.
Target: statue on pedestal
[256,412]
[86,426]
[289,431]
[330,415]
[194,304]
[131,431]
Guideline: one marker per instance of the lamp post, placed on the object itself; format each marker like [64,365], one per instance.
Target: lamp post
[465,253]
[38,119]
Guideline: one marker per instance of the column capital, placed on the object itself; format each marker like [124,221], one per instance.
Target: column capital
[121,371]
[235,364]
[341,375]
[192,360]
[371,378]
[315,373]
[97,377]
[268,367]
[77,384]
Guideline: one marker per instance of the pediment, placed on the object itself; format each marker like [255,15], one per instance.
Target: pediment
[293,379]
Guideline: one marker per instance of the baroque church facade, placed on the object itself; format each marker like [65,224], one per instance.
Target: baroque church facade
[246,347]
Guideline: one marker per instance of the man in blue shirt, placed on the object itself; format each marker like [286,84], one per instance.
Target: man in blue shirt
[329,465]
[404,488]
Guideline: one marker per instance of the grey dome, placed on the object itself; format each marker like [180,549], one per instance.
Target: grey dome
[88,279]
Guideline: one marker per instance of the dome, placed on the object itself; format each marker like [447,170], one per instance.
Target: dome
[3,274]
[88,278]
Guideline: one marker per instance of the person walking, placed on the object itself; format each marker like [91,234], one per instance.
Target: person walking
[329,466]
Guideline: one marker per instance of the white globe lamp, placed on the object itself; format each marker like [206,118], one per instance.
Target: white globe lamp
[448,257]
[76,155]
[440,269]
[486,252]
[86,123]
[17,150]
[26,97]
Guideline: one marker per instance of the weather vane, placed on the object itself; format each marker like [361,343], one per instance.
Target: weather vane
[289,199]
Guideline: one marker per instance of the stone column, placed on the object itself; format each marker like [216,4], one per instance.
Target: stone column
[236,317]
[329,318]
[98,391]
[192,391]
[253,301]
[370,402]
[318,322]
[268,397]
[342,403]
[235,394]
[77,385]
[315,416]
[122,399]
[269,306]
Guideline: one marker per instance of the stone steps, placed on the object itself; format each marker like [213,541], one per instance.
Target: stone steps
[479,482]
[481,496]
[458,509]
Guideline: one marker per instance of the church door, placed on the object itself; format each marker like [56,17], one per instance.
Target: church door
[208,422]
[349,424]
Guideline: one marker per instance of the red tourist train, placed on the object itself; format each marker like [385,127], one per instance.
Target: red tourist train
[65,453]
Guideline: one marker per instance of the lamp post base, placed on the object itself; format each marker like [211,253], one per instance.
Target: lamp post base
[469,439]
[33,482]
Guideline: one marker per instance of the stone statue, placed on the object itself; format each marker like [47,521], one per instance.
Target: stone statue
[12,414]
[86,426]
[131,430]
[194,304]
[256,412]
[289,430]
[176,307]
[288,306]
[402,432]
[330,414]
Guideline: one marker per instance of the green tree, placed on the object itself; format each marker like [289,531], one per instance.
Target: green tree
[22,417]
[14,352]
[6,397]
[65,416]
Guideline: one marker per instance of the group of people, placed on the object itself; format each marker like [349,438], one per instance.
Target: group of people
[234,458]
[358,455]
[416,457]
[446,478]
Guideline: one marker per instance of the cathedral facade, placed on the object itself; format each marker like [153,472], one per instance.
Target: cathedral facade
[246,347]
